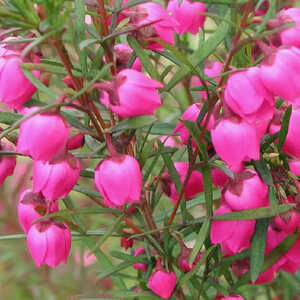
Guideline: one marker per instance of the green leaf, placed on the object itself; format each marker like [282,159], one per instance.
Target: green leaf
[114,269]
[202,235]
[257,213]
[122,294]
[126,257]
[87,43]
[222,167]
[134,123]
[160,128]
[273,196]
[206,48]
[284,127]
[208,189]
[144,58]
[86,191]
[263,171]
[9,118]
[258,247]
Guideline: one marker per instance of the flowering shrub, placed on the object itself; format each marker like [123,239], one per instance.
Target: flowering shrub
[169,126]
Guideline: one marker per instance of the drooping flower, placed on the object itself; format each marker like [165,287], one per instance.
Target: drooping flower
[189,15]
[246,191]
[235,141]
[140,266]
[234,236]
[49,243]
[43,135]
[7,162]
[15,88]
[161,282]
[133,94]
[56,180]
[119,180]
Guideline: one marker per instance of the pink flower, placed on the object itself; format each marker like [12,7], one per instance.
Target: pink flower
[56,180]
[162,27]
[161,282]
[194,185]
[191,114]
[280,73]
[295,167]
[247,191]
[134,94]
[15,88]
[189,15]
[235,141]
[75,142]
[49,243]
[247,97]
[231,297]
[27,208]
[219,178]
[43,135]
[119,180]
[288,36]
[140,266]
[124,52]
[234,236]
[7,162]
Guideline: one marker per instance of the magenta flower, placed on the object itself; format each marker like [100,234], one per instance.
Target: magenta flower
[194,185]
[119,180]
[140,266]
[43,135]
[49,243]
[246,191]
[56,180]
[135,95]
[189,15]
[162,26]
[295,167]
[235,141]
[234,236]
[184,256]
[161,282]
[15,88]
[280,73]
[7,162]
[247,97]
[124,52]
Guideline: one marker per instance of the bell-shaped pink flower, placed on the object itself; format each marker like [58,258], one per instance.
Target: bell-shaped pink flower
[280,73]
[27,208]
[119,180]
[161,282]
[194,185]
[288,36]
[56,180]
[246,191]
[15,88]
[247,97]
[49,243]
[234,236]
[140,266]
[134,94]
[123,53]
[43,135]
[75,142]
[189,15]
[191,114]
[235,141]
[7,162]
[162,26]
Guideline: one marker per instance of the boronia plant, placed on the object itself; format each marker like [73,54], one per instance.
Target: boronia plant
[169,126]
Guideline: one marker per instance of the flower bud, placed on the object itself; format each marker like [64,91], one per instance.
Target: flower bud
[49,243]
[56,180]
[140,266]
[246,191]
[132,94]
[75,142]
[7,162]
[43,135]
[124,52]
[126,242]
[119,180]
[184,256]
[189,15]
[161,282]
